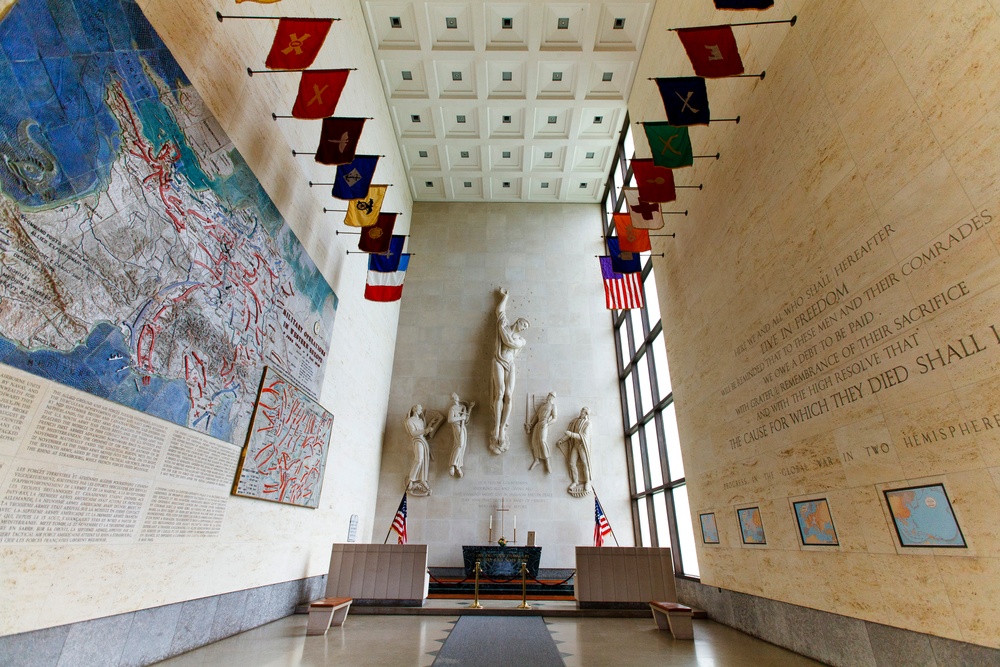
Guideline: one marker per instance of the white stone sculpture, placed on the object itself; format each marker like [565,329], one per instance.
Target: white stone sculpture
[458,416]
[575,445]
[508,344]
[421,427]
[538,429]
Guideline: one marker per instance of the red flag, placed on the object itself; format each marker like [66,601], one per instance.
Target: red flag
[631,239]
[399,521]
[375,238]
[601,525]
[338,140]
[656,184]
[712,50]
[297,42]
[319,92]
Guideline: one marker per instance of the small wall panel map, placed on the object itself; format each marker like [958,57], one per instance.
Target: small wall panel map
[140,259]
[286,449]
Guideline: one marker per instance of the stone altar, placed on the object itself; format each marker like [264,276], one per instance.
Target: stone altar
[501,562]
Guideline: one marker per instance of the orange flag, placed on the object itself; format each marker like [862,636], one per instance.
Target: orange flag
[630,239]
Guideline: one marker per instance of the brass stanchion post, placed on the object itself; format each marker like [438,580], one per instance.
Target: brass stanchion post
[524,587]
[475,602]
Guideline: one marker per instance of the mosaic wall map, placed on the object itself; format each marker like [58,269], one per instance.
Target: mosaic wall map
[140,259]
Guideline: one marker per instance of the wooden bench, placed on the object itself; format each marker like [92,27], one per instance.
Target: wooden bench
[326,613]
[674,617]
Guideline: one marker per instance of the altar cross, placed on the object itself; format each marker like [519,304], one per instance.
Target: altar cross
[502,508]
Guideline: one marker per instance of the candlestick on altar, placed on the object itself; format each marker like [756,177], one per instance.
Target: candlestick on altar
[490,539]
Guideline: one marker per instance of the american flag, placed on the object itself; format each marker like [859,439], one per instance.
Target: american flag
[621,290]
[399,521]
[601,525]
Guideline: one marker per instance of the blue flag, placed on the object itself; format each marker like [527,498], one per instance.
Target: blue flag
[354,178]
[685,99]
[389,262]
[623,262]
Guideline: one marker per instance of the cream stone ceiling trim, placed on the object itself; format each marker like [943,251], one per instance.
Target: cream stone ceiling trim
[507,101]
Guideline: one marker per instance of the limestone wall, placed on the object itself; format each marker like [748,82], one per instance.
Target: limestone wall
[831,306]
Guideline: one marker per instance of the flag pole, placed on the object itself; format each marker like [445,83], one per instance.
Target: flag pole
[338,233]
[251,72]
[790,22]
[652,254]
[606,516]
[362,252]
[313,184]
[220,16]
[716,156]
[690,187]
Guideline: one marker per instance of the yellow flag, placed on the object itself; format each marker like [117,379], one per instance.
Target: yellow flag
[364,212]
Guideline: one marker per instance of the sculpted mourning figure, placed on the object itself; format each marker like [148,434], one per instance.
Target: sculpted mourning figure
[420,427]
[458,417]
[575,444]
[508,345]
[538,429]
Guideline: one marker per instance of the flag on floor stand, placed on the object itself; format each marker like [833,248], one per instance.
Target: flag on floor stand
[670,146]
[656,184]
[386,272]
[377,238]
[644,214]
[741,4]
[319,92]
[297,42]
[364,212]
[338,140]
[621,290]
[623,261]
[354,178]
[712,50]
[601,525]
[399,521]
[685,99]
[631,239]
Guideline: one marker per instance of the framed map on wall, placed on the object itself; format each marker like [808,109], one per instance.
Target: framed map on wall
[709,529]
[751,525]
[815,523]
[923,517]
[285,453]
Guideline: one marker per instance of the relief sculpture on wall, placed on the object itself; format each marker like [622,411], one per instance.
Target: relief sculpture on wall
[509,343]
[575,445]
[421,426]
[538,430]
[458,416]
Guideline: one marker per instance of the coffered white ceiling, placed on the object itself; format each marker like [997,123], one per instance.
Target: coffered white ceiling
[507,101]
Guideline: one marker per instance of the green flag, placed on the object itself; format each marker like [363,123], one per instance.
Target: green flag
[671,146]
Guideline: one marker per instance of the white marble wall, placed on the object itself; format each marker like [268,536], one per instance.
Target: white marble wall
[545,255]
[867,157]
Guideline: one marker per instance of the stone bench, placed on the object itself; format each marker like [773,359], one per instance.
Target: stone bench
[326,613]
[674,617]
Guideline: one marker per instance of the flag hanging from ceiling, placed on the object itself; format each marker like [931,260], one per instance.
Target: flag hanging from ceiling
[297,42]
[671,146]
[656,184]
[630,239]
[364,212]
[319,92]
[685,99]
[386,272]
[621,290]
[376,238]
[399,521]
[712,50]
[601,525]
[354,178]
[338,140]
[744,4]
[623,261]
[644,214]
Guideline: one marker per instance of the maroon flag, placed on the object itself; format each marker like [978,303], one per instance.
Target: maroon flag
[712,50]
[631,239]
[376,238]
[297,42]
[338,140]
[645,215]
[319,92]
[656,184]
